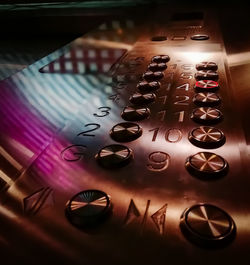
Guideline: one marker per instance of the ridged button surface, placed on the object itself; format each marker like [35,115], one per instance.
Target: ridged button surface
[207,225]
[125,132]
[114,156]
[88,208]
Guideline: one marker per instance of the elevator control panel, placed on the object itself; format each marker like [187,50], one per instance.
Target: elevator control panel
[124,147]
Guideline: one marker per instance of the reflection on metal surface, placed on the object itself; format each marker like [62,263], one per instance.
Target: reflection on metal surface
[239,58]
[83,60]
[73,153]
[38,200]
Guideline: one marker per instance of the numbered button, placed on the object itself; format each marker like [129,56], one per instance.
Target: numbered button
[88,208]
[207,66]
[206,115]
[135,114]
[142,99]
[206,74]
[114,156]
[145,86]
[126,132]
[206,99]
[206,165]
[153,76]
[207,225]
[207,137]
[157,67]
[206,86]
[160,59]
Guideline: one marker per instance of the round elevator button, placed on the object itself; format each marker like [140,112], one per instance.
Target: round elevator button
[207,66]
[153,76]
[157,67]
[200,37]
[135,114]
[126,132]
[206,99]
[207,225]
[142,99]
[145,86]
[206,86]
[206,115]
[160,59]
[88,208]
[207,137]
[206,165]
[114,156]
[206,74]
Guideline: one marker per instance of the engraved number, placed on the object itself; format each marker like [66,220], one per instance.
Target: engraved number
[158,161]
[186,75]
[120,85]
[183,100]
[184,86]
[161,115]
[155,130]
[115,97]
[104,111]
[181,115]
[95,127]
[173,66]
[173,135]
[73,153]
[187,67]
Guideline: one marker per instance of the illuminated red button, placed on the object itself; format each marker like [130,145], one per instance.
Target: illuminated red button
[206,85]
